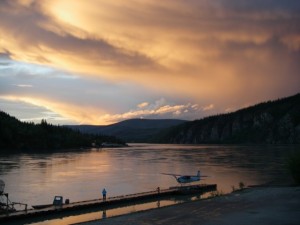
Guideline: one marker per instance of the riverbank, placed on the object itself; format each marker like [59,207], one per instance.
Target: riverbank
[260,205]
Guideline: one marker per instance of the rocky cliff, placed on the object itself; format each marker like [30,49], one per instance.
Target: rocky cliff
[273,122]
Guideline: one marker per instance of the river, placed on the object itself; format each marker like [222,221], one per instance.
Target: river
[81,175]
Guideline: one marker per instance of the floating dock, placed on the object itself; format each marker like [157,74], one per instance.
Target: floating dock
[109,202]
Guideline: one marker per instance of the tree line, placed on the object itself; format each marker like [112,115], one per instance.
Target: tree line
[27,136]
[272,122]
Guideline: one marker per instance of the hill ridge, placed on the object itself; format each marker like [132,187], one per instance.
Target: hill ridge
[271,122]
[132,130]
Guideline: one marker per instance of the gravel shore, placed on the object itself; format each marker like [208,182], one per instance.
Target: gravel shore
[260,206]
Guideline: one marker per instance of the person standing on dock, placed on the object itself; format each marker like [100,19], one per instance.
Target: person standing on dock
[104,194]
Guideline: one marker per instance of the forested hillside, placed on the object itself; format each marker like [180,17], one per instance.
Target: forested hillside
[21,136]
[133,130]
[273,122]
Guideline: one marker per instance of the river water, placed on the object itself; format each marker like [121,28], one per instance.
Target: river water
[37,178]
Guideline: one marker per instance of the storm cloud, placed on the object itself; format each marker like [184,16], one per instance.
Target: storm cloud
[117,55]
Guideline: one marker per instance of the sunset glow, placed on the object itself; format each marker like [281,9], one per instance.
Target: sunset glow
[100,62]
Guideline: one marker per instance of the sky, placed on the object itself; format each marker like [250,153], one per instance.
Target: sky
[100,62]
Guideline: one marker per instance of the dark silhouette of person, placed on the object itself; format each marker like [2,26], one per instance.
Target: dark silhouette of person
[104,194]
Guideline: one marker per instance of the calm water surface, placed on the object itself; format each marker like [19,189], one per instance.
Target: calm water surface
[37,178]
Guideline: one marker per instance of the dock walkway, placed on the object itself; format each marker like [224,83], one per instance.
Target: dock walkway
[191,189]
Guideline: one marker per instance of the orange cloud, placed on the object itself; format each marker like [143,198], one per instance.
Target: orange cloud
[208,107]
[82,115]
[159,109]
[203,51]
[143,105]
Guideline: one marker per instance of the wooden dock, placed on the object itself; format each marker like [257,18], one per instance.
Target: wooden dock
[110,202]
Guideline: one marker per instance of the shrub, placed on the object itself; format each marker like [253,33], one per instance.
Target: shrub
[294,166]
[241,185]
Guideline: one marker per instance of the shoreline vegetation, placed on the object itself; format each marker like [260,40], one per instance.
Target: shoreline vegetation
[17,136]
[272,122]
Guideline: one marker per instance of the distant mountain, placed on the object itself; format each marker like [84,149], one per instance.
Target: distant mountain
[22,137]
[133,130]
[273,122]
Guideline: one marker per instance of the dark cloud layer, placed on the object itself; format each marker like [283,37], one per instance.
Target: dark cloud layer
[25,25]
[224,54]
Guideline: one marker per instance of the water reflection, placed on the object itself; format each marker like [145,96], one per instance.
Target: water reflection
[103,212]
[37,178]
